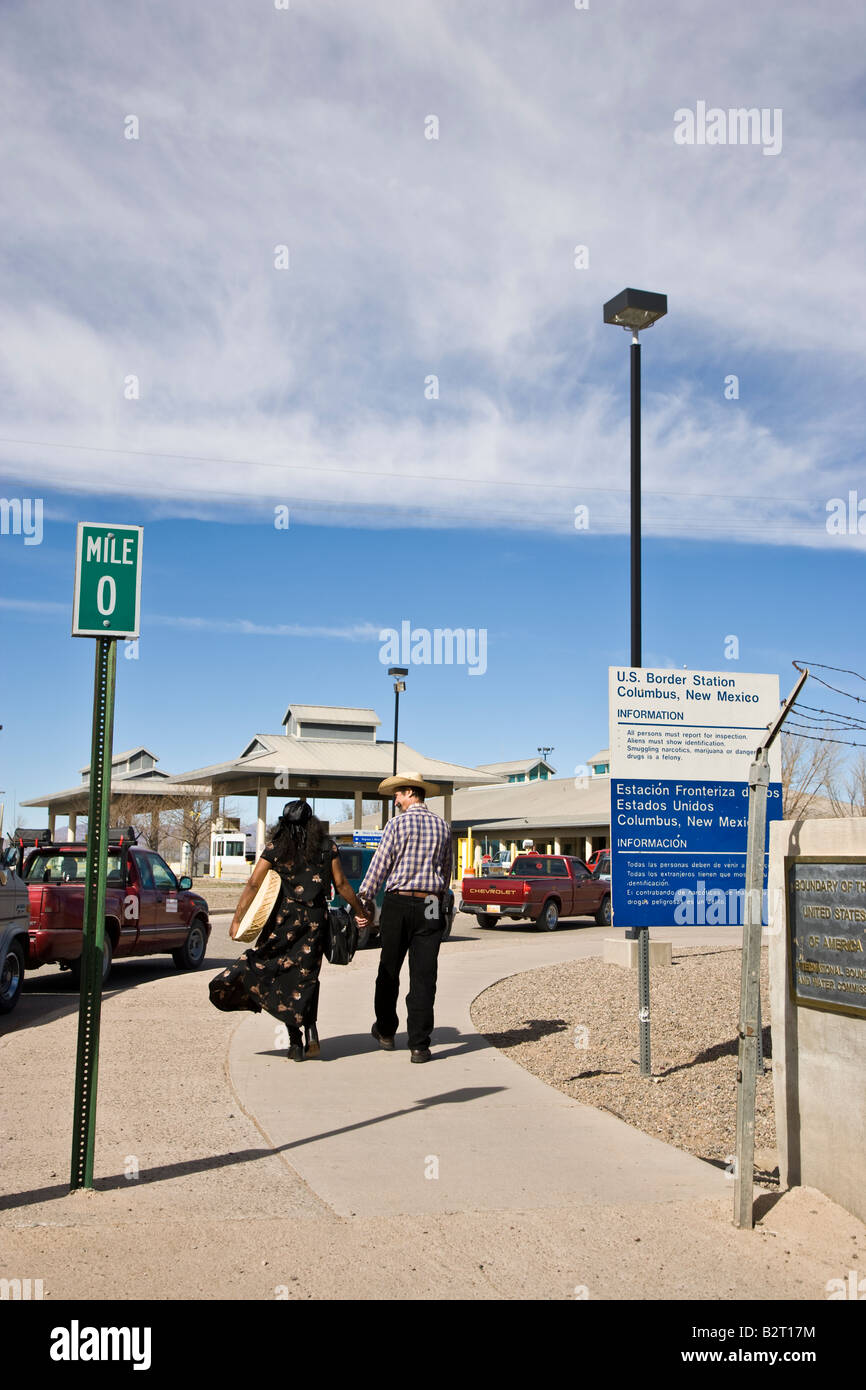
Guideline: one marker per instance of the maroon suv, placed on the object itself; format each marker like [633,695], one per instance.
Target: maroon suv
[148,911]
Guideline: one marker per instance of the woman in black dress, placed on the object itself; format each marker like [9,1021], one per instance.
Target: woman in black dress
[281,972]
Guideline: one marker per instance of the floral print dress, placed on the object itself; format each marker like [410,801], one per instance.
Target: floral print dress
[280,974]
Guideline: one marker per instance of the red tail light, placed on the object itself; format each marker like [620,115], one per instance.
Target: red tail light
[527,890]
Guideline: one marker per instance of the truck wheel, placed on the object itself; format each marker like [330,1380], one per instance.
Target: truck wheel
[12,978]
[190,955]
[107,957]
[603,914]
[485,920]
[549,916]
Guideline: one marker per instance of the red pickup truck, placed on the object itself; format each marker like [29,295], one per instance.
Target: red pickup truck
[147,909]
[542,888]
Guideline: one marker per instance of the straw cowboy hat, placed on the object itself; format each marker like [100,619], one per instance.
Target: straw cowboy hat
[407,779]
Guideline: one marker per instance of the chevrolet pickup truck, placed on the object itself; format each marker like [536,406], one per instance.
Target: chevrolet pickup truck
[148,911]
[540,887]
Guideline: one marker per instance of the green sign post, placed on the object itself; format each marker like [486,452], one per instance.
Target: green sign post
[106,606]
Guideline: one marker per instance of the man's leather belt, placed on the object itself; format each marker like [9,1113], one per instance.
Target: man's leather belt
[411,893]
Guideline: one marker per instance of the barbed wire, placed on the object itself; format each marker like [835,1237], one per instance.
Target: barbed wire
[824,722]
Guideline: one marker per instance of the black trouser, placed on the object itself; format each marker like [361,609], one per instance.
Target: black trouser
[408,924]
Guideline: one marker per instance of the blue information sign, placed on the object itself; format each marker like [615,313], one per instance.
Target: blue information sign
[366,837]
[682,743]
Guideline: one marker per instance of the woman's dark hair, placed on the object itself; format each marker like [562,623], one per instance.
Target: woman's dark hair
[298,835]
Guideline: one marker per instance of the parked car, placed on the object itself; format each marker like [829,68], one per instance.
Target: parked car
[356,861]
[14,928]
[540,887]
[148,910]
[601,868]
[593,859]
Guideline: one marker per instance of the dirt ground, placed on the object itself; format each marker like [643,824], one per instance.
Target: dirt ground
[591,1050]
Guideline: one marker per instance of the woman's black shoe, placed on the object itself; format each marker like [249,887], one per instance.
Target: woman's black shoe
[312,1048]
[296,1050]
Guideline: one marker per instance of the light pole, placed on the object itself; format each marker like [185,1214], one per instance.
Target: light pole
[635,310]
[399,684]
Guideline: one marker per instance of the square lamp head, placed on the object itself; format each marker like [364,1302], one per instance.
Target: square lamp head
[635,309]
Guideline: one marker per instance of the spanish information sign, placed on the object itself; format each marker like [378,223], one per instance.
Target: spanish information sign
[681,745]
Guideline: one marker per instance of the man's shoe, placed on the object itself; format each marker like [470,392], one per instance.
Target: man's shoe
[387,1044]
[420,1054]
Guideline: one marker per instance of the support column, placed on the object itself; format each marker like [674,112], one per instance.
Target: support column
[383,819]
[214,809]
[556,848]
[358,822]
[587,846]
[261,817]
[52,816]
[446,809]
[512,849]
[73,826]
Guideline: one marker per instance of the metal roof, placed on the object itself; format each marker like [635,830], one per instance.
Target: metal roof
[603,756]
[118,758]
[519,806]
[332,714]
[521,765]
[334,758]
[171,789]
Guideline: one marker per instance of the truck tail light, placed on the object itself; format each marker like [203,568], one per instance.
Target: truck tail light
[527,890]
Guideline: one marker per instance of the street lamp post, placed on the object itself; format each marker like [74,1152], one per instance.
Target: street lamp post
[635,310]
[399,684]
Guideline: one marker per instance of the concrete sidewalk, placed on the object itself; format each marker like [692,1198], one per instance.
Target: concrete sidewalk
[199,1198]
[373,1135]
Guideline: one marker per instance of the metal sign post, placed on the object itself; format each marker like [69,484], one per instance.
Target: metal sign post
[93,944]
[750,983]
[749,1051]
[106,606]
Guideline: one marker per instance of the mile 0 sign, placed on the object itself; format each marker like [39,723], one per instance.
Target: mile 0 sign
[107,597]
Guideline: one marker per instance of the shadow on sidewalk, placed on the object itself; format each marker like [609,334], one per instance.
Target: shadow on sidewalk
[167,1171]
[451,1041]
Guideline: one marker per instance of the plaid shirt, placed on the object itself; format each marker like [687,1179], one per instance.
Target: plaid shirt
[414,853]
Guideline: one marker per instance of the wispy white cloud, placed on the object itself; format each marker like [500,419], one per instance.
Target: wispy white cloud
[355,632]
[239,627]
[410,257]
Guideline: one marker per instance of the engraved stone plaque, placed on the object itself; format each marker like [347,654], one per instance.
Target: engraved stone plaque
[827,926]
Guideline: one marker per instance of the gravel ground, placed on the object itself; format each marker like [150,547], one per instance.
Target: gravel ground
[575,1026]
[219,894]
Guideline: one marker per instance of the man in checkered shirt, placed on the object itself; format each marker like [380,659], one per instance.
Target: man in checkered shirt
[413,860]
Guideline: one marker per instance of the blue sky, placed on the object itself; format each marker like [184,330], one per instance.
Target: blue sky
[154,258]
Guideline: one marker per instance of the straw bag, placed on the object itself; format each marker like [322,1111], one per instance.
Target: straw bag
[260,908]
